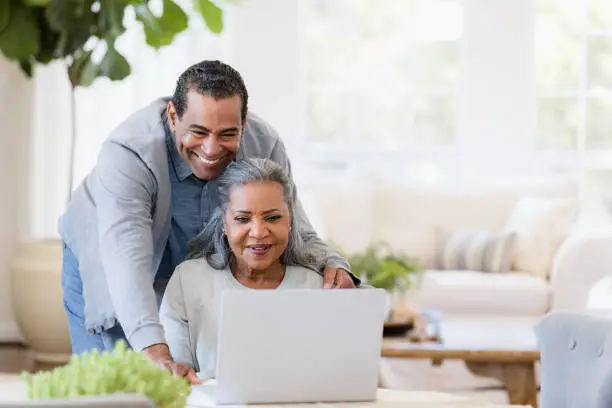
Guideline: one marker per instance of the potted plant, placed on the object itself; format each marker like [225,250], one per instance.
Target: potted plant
[382,267]
[81,34]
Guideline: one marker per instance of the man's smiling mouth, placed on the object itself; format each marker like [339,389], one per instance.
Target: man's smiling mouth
[207,161]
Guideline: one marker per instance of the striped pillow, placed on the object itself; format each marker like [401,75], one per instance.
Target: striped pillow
[477,251]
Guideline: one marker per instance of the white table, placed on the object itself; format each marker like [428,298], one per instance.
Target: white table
[12,389]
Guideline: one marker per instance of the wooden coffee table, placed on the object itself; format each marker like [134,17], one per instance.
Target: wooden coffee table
[506,351]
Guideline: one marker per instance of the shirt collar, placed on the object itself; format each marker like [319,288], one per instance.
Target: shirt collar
[181,168]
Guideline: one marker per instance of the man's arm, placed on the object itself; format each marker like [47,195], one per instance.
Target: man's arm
[312,240]
[124,201]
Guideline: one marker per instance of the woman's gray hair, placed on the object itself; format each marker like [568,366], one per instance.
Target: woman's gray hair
[212,243]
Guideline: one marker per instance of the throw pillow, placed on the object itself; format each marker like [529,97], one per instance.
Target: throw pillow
[541,225]
[477,251]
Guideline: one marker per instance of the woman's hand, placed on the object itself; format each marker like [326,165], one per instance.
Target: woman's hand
[160,354]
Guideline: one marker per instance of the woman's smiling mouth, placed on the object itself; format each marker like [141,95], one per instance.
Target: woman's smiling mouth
[259,249]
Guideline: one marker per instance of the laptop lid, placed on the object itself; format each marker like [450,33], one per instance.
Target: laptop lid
[299,345]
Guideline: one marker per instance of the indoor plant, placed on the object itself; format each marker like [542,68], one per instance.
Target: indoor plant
[82,35]
[382,267]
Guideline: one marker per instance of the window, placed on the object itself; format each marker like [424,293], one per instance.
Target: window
[382,75]
[573,63]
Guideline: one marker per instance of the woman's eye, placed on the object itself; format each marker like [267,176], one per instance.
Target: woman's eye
[273,218]
[241,220]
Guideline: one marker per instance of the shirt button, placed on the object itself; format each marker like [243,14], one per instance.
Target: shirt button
[600,352]
[572,344]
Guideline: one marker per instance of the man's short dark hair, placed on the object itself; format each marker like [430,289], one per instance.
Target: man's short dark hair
[211,78]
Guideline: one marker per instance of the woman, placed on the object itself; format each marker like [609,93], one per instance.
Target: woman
[250,243]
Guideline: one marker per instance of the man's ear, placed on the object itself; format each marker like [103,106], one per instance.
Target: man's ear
[172,116]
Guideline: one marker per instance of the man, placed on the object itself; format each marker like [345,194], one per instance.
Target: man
[129,224]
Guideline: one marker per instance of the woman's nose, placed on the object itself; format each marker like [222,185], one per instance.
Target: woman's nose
[258,229]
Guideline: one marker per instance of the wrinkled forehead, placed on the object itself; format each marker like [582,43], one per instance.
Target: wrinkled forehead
[257,197]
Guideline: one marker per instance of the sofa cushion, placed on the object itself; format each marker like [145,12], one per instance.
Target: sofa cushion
[476,250]
[475,292]
[413,219]
[541,225]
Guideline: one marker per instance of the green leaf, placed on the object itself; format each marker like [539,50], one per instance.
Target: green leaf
[83,70]
[212,15]
[35,3]
[49,39]
[75,22]
[26,68]
[173,18]
[111,18]
[20,38]
[62,13]
[5,14]
[161,31]
[114,65]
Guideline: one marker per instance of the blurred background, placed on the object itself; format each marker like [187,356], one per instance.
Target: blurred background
[419,91]
[411,95]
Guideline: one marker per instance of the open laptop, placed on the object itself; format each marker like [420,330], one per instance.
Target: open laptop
[299,346]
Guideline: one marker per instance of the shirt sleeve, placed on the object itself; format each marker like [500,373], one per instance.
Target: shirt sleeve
[124,201]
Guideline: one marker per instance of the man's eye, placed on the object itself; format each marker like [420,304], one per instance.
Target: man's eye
[194,133]
[228,136]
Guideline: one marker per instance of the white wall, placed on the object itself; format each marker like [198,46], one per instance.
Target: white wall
[263,46]
[496,94]
[15,119]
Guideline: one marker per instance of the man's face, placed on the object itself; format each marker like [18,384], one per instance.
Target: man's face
[208,135]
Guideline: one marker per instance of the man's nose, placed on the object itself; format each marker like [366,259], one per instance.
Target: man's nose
[211,146]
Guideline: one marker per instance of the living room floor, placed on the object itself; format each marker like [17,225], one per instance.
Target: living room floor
[14,358]
[452,376]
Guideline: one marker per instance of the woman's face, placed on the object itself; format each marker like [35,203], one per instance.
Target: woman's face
[257,224]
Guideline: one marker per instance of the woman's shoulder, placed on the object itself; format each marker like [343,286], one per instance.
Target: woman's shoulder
[194,269]
[195,280]
[301,277]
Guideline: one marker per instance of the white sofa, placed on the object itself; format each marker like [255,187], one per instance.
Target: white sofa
[412,219]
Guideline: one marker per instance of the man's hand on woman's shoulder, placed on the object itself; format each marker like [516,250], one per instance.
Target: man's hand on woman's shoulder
[337,278]
[160,354]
